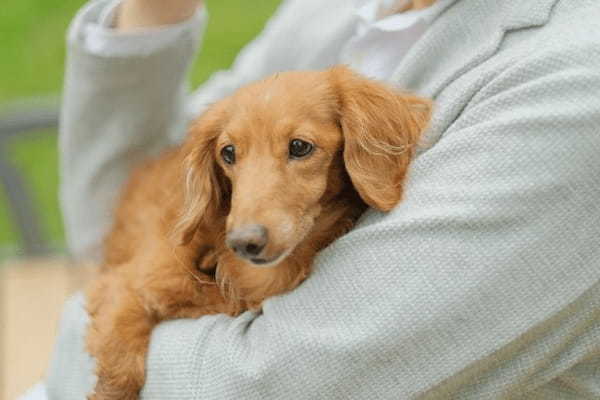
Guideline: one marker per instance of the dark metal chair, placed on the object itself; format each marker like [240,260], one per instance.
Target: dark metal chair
[15,120]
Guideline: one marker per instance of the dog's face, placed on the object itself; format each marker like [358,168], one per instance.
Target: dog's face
[281,150]
[274,154]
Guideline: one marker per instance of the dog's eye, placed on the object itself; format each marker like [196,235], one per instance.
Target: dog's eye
[228,154]
[300,148]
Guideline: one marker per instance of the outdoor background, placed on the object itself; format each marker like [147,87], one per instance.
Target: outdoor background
[32,52]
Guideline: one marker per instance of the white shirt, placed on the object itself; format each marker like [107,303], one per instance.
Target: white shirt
[380,43]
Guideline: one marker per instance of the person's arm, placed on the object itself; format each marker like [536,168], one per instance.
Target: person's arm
[123,97]
[482,283]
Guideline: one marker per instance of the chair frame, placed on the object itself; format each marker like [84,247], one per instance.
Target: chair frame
[26,117]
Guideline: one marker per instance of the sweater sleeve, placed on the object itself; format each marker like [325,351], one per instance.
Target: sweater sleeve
[482,283]
[118,108]
[99,36]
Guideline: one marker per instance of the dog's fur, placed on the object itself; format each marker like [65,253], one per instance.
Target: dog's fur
[176,211]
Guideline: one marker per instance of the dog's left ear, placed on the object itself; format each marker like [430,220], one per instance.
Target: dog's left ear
[205,190]
[381,127]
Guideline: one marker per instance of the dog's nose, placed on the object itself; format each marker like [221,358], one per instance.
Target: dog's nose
[248,241]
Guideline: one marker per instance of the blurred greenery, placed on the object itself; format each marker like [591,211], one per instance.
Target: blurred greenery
[32,36]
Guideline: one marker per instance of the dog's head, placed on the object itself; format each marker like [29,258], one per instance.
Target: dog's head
[274,154]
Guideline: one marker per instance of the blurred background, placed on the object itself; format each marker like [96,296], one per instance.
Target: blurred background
[35,275]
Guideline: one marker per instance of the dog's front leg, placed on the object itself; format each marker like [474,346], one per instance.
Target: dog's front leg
[118,338]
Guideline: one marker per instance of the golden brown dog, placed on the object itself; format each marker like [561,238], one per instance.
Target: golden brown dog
[266,179]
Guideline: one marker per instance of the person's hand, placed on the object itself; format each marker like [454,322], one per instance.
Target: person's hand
[135,14]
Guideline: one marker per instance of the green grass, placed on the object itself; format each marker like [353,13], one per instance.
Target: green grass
[32,36]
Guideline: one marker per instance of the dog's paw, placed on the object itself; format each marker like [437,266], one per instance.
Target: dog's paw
[116,387]
[105,393]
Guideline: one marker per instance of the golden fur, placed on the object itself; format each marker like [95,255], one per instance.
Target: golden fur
[176,211]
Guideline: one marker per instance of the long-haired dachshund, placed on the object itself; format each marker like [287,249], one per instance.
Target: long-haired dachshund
[266,178]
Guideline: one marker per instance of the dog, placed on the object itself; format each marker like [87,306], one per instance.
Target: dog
[265,179]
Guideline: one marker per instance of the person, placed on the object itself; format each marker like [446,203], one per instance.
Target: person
[483,283]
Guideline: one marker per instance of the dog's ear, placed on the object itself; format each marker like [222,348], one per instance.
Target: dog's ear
[381,127]
[205,188]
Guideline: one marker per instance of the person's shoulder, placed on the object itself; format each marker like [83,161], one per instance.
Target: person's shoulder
[571,34]
[581,13]
[567,44]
